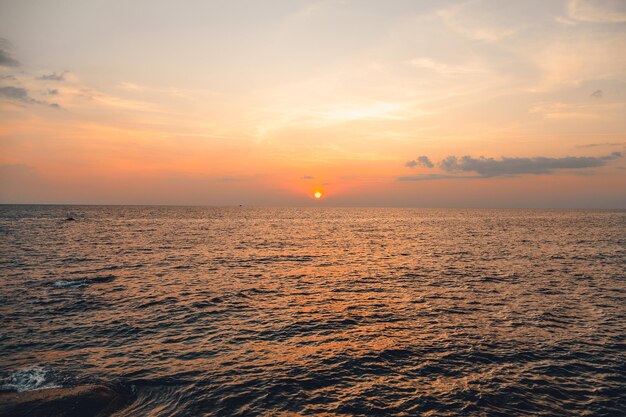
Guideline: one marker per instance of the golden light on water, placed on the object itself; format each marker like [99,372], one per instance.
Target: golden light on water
[317,195]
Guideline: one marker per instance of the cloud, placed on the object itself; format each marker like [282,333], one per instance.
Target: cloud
[597,11]
[52,77]
[469,19]
[430,177]
[490,167]
[420,161]
[444,69]
[52,92]
[597,94]
[596,145]
[15,93]
[308,177]
[21,95]
[229,178]
[557,110]
[6,60]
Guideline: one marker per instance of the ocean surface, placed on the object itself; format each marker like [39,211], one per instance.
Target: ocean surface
[319,311]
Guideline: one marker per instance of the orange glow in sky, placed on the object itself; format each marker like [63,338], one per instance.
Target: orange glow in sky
[464,104]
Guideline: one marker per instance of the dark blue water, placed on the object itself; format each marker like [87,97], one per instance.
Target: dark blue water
[246,311]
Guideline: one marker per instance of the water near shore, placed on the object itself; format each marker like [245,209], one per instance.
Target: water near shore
[244,311]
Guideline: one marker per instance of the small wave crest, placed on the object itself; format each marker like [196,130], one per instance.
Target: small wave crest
[77,283]
[29,379]
[70,283]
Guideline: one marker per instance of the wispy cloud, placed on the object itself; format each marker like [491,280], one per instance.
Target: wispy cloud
[433,177]
[604,144]
[597,11]
[443,68]
[466,20]
[116,102]
[558,110]
[377,110]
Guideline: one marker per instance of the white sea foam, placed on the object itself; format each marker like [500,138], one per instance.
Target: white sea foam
[69,283]
[29,379]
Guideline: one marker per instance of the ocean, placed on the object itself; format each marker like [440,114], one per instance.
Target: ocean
[244,311]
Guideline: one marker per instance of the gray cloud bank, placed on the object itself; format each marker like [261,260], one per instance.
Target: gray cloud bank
[490,167]
[6,60]
[16,93]
[420,161]
[508,167]
[21,95]
[52,77]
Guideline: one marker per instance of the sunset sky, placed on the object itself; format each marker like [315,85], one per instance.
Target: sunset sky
[372,103]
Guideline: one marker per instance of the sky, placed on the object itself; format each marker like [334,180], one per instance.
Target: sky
[372,103]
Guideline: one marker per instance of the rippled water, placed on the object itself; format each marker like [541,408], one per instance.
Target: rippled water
[245,311]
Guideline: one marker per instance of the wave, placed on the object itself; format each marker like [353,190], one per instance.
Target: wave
[29,379]
[77,283]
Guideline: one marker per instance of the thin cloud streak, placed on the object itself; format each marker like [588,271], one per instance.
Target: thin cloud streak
[433,177]
[597,145]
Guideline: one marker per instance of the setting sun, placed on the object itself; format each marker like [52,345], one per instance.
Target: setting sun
[317,195]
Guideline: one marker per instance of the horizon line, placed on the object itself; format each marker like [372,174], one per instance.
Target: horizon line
[315,206]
